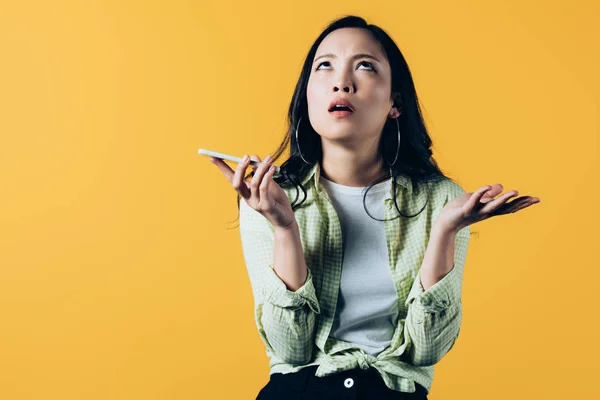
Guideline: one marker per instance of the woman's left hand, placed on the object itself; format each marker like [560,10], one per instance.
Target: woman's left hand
[469,208]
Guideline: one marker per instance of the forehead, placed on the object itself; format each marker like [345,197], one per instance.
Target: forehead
[347,41]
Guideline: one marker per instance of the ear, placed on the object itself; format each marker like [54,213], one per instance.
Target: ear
[396,108]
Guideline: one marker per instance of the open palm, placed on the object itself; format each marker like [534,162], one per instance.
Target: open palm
[470,208]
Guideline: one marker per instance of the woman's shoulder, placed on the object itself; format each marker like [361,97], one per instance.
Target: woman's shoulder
[453,188]
[445,188]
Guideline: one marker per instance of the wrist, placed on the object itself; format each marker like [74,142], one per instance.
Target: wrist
[291,227]
[441,229]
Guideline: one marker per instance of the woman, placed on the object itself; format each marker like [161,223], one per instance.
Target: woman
[346,302]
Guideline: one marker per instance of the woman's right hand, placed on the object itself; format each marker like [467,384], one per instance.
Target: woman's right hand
[262,193]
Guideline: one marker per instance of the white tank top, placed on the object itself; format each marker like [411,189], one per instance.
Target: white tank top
[367,307]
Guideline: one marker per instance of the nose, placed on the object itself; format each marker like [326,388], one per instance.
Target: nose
[344,84]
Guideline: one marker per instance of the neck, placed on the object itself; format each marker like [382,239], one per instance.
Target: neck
[358,168]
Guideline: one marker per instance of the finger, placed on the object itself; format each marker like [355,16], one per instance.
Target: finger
[496,203]
[529,202]
[265,184]
[254,157]
[258,174]
[253,193]
[225,169]
[493,192]
[508,208]
[238,182]
[476,196]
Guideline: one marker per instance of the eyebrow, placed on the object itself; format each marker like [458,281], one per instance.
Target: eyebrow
[355,56]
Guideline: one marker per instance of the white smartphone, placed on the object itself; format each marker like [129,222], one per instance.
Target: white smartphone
[231,158]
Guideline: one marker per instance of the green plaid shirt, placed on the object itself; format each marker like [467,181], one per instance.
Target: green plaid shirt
[295,326]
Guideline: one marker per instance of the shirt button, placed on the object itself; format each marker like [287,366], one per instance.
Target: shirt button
[402,284]
[349,382]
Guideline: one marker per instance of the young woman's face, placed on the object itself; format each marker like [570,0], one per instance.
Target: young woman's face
[350,63]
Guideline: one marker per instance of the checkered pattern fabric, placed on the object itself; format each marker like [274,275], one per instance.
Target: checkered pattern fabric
[295,325]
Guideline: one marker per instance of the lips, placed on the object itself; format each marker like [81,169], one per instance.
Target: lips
[340,104]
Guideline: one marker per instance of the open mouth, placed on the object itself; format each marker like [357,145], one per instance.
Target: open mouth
[340,107]
[340,111]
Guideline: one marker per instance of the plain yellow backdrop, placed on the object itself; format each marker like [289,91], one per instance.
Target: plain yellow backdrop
[121,271]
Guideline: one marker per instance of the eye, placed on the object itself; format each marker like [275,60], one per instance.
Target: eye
[368,64]
[324,62]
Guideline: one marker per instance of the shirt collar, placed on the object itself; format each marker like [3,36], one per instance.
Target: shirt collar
[315,172]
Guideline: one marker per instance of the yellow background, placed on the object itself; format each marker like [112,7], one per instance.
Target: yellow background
[121,272]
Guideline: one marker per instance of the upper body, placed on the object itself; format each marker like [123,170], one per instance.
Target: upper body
[297,327]
[354,117]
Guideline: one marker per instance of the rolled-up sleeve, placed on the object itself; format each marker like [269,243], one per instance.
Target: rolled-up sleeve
[285,319]
[435,315]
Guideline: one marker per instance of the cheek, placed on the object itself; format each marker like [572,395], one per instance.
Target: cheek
[310,92]
[314,95]
[381,95]
[377,104]
[314,84]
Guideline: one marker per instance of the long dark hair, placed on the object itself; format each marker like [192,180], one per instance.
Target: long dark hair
[414,160]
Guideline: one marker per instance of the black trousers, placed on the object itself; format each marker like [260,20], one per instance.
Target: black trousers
[351,384]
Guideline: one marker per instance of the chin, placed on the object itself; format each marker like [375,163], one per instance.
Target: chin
[331,133]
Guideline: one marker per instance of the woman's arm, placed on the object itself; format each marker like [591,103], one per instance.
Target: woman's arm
[434,301]
[288,257]
[284,294]
[435,315]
